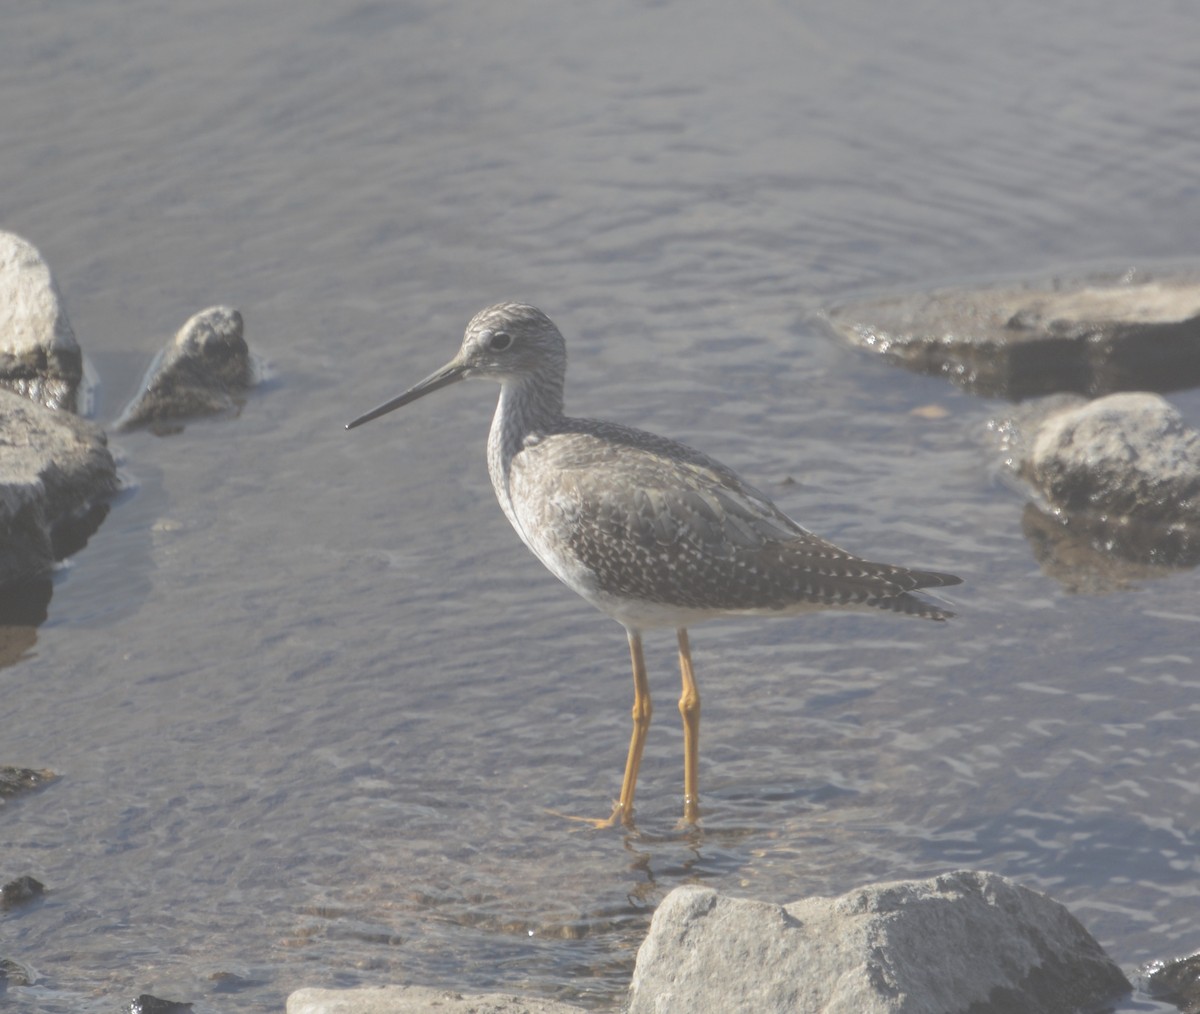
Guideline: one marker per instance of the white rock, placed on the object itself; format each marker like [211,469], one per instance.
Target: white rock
[39,357]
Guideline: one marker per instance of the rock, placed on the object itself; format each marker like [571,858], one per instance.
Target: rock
[1091,336]
[39,357]
[231,982]
[962,941]
[147,1004]
[417,1000]
[1123,454]
[1176,982]
[205,370]
[1123,472]
[20,891]
[17,781]
[56,475]
[13,973]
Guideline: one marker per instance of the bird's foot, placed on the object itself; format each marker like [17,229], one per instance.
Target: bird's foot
[620,815]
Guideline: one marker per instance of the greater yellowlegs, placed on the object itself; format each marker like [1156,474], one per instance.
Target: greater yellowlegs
[647,530]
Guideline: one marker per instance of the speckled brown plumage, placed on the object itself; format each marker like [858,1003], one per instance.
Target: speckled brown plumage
[652,521]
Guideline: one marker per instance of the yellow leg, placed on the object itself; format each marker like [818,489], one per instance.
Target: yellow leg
[642,710]
[689,708]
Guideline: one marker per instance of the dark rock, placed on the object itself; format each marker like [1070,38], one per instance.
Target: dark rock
[206,370]
[963,943]
[1091,336]
[55,477]
[20,891]
[39,357]
[17,781]
[1176,982]
[13,973]
[147,1004]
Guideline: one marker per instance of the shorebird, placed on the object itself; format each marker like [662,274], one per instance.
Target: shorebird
[648,530]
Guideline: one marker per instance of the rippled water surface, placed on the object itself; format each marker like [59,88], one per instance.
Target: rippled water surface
[311,700]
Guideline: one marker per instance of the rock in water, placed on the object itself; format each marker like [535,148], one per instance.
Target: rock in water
[205,370]
[39,357]
[962,941]
[56,475]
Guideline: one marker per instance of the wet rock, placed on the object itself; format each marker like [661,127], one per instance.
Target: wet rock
[39,357]
[231,982]
[1119,478]
[1176,982]
[960,941]
[418,1000]
[147,1004]
[13,973]
[20,891]
[1090,336]
[205,370]
[17,781]
[56,475]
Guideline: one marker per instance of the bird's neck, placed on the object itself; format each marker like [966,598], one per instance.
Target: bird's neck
[527,406]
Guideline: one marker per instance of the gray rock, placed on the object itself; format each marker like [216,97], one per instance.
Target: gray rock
[1091,336]
[205,370]
[962,942]
[39,357]
[1124,472]
[417,1000]
[56,474]
[1123,454]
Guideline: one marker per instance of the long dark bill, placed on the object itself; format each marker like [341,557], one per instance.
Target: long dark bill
[451,373]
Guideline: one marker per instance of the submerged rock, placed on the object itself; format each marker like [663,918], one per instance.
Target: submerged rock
[147,1004]
[13,973]
[18,781]
[418,1000]
[56,475]
[39,357]
[962,941]
[20,891]
[205,370]
[1085,336]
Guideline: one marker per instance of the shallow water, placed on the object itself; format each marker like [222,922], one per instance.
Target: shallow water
[311,699]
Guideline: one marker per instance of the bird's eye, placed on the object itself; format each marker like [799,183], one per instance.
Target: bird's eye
[499,341]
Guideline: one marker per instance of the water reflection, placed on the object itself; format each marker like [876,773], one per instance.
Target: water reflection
[23,608]
[1101,557]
